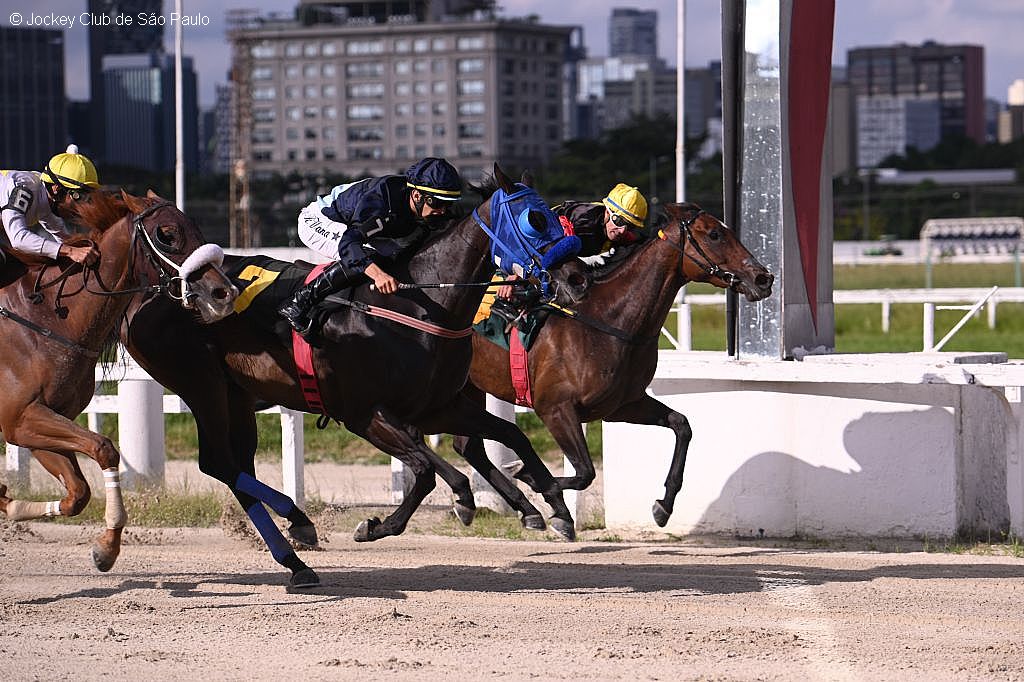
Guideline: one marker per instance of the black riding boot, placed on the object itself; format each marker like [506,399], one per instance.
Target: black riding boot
[296,311]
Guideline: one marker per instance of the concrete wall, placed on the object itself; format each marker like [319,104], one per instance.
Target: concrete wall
[824,460]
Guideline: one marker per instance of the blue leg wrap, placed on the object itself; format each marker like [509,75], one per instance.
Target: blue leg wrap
[279,547]
[279,502]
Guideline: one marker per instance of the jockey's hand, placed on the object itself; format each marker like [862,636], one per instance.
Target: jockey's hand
[385,283]
[84,255]
[505,290]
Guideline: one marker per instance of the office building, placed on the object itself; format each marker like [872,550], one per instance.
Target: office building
[112,38]
[139,116]
[33,124]
[353,88]
[633,33]
[907,85]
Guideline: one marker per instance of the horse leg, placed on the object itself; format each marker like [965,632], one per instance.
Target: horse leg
[405,442]
[466,418]
[564,424]
[250,492]
[40,428]
[472,449]
[63,467]
[464,505]
[652,412]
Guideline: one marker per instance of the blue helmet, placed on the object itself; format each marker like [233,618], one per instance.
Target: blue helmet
[436,177]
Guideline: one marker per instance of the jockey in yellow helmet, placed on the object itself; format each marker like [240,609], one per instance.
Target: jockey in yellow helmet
[616,219]
[32,206]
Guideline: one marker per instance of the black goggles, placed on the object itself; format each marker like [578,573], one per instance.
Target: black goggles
[436,202]
[621,222]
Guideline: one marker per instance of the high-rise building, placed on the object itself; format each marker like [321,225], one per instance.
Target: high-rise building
[33,124]
[353,88]
[633,32]
[113,38]
[139,111]
[900,84]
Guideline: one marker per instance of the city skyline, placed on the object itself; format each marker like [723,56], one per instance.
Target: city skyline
[859,23]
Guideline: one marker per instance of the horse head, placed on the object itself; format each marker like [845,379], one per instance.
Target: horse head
[711,252]
[161,243]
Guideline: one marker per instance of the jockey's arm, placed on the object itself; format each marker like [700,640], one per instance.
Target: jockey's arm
[24,239]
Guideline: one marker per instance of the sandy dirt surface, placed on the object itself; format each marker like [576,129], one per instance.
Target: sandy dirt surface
[202,603]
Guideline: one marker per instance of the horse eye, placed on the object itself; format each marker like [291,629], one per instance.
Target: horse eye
[165,235]
[714,236]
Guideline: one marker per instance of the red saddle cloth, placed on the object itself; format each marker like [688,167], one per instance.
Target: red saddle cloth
[520,368]
[302,352]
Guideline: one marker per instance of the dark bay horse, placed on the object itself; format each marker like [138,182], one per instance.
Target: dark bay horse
[386,382]
[598,365]
[55,323]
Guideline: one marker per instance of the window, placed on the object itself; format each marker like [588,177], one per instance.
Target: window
[310,71]
[260,115]
[364,47]
[471,130]
[310,155]
[330,91]
[420,151]
[330,133]
[331,112]
[291,92]
[420,108]
[310,50]
[403,109]
[263,156]
[439,108]
[439,44]
[421,66]
[292,113]
[437,66]
[402,45]
[291,134]
[438,130]
[262,73]
[293,154]
[439,150]
[421,88]
[401,130]
[401,152]
[330,154]
[551,69]
[309,133]
[360,153]
[292,50]
[471,150]
[311,92]
[403,89]
[471,108]
[403,66]
[364,111]
[263,135]
[264,92]
[330,49]
[439,87]
[310,112]
[365,90]
[467,43]
[360,133]
[471,87]
[364,69]
[291,71]
[469,65]
[328,70]
[263,51]
[420,130]
[420,45]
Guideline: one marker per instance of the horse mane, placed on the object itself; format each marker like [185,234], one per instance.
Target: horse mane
[622,253]
[487,187]
[101,210]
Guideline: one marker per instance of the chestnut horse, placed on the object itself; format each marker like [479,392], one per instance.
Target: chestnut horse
[387,383]
[597,362]
[55,323]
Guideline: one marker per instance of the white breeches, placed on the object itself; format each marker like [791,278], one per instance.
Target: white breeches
[319,233]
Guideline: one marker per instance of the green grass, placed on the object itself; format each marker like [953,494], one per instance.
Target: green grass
[154,508]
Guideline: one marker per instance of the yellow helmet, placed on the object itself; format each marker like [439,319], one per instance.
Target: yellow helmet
[71,170]
[627,202]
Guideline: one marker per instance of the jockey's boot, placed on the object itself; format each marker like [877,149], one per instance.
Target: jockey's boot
[296,311]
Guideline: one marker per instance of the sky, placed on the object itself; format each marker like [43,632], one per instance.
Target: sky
[995,24]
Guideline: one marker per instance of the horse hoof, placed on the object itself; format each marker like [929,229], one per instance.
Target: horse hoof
[103,559]
[465,514]
[305,577]
[660,514]
[566,529]
[534,522]
[304,534]
[365,530]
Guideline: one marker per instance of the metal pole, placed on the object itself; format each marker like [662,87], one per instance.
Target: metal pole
[179,116]
[683,317]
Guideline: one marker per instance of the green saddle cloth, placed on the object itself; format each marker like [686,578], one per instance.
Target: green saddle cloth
[493,328]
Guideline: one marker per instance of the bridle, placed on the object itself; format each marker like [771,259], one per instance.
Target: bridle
[708,267]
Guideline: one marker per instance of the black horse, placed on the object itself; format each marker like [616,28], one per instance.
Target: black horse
[387,382]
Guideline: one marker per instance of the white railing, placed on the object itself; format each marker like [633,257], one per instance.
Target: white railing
[930,299]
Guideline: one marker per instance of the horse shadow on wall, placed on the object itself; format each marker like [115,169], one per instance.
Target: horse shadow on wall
[887,485]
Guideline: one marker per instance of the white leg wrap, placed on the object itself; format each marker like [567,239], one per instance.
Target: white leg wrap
[114,513]
[20,510]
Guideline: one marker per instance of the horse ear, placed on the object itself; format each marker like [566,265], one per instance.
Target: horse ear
[150,194]
[135,204]
[527,178]
[504,181]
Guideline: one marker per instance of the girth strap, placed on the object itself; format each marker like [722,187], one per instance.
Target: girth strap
[43,331]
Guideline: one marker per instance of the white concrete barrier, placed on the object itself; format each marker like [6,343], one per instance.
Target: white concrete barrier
[898,445]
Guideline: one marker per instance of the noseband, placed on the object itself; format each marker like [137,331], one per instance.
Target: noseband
[708,267]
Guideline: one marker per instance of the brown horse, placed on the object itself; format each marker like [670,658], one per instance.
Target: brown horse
[386,382]
[54,325]
[598,362]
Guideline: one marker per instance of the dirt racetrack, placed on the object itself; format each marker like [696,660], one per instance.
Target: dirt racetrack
[198,604]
